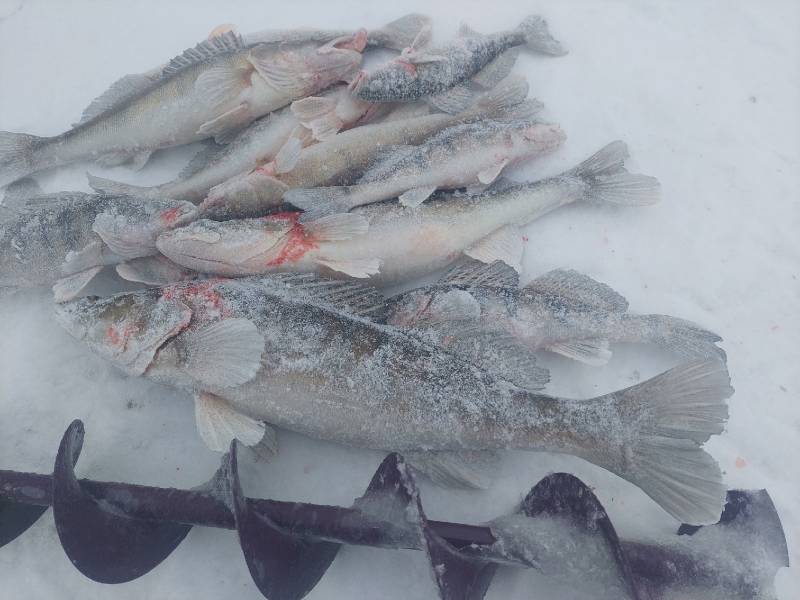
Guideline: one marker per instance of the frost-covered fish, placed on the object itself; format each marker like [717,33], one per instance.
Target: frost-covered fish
[562,311]
[212,90]
[467,155]
[440,74]
[345,157]
[67,238]
[282,351]
[390,243]
[260,143]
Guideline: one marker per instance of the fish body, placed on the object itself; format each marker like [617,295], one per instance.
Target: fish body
[212,90]
[270,351]
[260,143]
[427,72]
[343,158]
[69,236]
[470,154]
[562,311]
[397,243]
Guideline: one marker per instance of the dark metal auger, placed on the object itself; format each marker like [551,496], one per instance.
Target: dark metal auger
[116,532]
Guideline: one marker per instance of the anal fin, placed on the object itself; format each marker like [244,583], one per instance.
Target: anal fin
[472,469]
[415,197]
[67,288]
[503,244]
[589,352]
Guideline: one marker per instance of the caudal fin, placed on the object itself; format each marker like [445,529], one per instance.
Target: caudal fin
[111,187]
[320,201]
[538,37]
[672,415]
[609,181]
[17,158]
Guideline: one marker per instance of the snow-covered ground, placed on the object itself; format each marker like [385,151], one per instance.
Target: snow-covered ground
[707,95]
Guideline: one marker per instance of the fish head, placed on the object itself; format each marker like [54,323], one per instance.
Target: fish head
[537,138]
[237,247]
[336,61]
[126,329]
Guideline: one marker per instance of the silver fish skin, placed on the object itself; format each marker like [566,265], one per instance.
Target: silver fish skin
[562,311]
[343,158]
[470,154]
[69,236]
[212,90]
[267,351]
[260,143]
[389,243]
[427,72]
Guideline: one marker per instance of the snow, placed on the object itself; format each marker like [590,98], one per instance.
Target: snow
[706,95]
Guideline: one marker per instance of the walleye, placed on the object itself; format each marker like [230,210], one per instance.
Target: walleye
[299,354]
[562,311]
[67,238]
[468,155]
[346,156]
[440,74]
[212,90]
[289,129]
[390,243]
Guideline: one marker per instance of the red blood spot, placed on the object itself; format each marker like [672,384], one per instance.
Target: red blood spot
[289,216]
[407,66]
[267,169]
[524,238]
[202,296]
[119,337]
[775,328]
[296,245]
[740,462]
[169,216]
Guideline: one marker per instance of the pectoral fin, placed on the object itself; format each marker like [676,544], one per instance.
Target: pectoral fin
[67,288]
[218,423]
[227,125]
[288,155]
[415,197]
[490,173]
[453,101]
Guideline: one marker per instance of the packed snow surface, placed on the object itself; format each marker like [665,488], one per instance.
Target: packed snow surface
[705,93]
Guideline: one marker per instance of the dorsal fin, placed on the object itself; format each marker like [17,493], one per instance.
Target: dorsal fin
[200,160]
[576,289]
[230,41]
[474,273]
[121,91]
[355,298]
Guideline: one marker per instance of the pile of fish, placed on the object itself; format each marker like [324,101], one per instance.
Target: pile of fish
[318,185]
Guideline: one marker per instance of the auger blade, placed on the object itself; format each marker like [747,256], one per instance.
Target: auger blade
[105,546]
[283,566]
[562,494]
[457,576]
[15,519]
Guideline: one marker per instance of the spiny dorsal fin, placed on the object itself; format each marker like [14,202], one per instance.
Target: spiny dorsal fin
[474,273]
[120,92]
[349,296]
[576,289]
[230,41]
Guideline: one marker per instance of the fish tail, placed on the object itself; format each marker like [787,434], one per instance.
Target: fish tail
[683,337]
[18,155]
[607,179]
[111,187]
[320,201]
[538,37]
[400,33]
[672,414]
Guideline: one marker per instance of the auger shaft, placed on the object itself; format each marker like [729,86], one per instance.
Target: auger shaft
[206,509]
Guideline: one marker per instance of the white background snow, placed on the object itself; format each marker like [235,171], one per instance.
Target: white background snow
[707,95]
